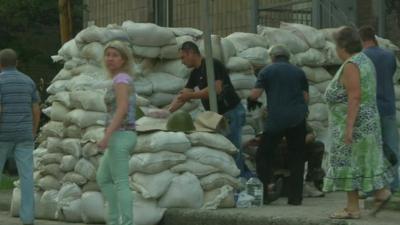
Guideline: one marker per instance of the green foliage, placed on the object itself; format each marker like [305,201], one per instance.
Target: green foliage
[31,27]
[7,182]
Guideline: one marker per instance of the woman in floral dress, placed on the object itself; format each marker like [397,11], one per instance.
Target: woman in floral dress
[356,161]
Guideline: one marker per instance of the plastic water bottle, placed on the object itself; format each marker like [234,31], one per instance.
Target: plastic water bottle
[255,188]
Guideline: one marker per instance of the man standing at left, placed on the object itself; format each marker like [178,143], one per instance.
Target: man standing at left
[19,121]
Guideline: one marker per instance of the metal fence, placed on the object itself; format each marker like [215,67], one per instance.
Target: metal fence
[272,12]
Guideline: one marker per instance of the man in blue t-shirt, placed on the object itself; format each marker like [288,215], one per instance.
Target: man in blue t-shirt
[19,121]
[385,66]
[286,87]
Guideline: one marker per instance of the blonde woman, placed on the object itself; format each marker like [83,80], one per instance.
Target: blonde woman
[120,136]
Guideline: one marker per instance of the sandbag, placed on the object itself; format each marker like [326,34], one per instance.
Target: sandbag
[84,118]
[276,36]
[90,149]
[217,180]
[63,74]
[172,51]
[322,86]
[163,141]
[142,101]
[228,49]
[92,100]
[69,203]
[58,112]
[181,31]
[95,160]
[328,33]
[53,129]
[318,112]
[91,186]
[71,212]
[47,111]
[161,99]
[92,205]
[311,57]
[86,169]
[116,32]
[146,211]
[153,185]
[88,70]
[236,64]
[57,86]
[387,44]
[52,169]
[184,192]
[316,74]
[213,140]
[71,146]
[68,163]
[257,56]
[243,41]
[51,158]
[166,83]
[195,168]
[82,82]
[146,51]
[148,34]
[214,158]
[16,203]
[215,45]
[93,134]
[48,204]
[63,98]
[314,96]
[53,145]
[74,62]
[93,51]
[219,198]
[74,177]
[173,67]
[48,183]
[73,131]
[331,55]
[69,50]
[241,81]
[313,37]
[143,86]
[154,162]
[91,34]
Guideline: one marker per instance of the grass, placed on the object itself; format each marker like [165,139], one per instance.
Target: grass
[7,182]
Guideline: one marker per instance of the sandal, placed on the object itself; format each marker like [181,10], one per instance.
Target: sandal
[345,214]
[379,205]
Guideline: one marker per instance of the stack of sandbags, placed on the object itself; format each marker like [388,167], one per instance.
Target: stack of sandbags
[67,157]
[181,170]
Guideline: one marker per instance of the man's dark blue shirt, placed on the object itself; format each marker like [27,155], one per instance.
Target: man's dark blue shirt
[385,66]
[284,85]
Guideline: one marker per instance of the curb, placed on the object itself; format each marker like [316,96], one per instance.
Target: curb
[213,217]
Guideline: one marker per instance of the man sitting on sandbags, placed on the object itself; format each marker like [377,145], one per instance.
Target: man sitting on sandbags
[314,152]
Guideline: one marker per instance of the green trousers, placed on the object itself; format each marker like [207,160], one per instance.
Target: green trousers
[113,177]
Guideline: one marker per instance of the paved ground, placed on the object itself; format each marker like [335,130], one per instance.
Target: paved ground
[312,212]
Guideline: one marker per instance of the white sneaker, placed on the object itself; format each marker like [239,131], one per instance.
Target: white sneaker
[309,190]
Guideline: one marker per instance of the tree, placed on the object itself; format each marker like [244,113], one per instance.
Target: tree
[31,27]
